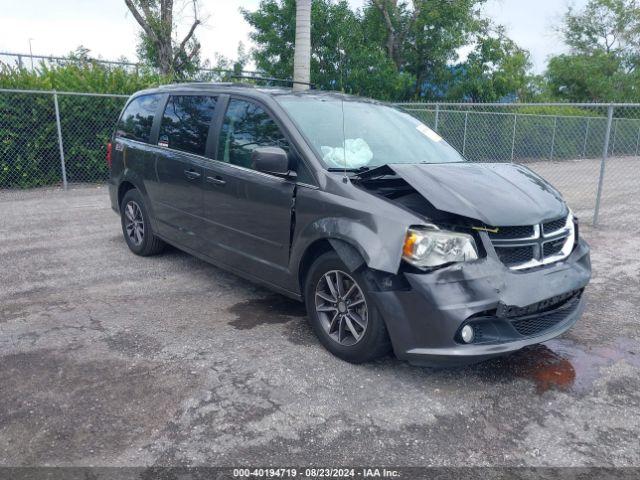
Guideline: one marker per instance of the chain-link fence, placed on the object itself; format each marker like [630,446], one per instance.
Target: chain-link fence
[32,62]
[49,138]
[590,152]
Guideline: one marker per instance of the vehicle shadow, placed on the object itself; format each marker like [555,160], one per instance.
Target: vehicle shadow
[557,365]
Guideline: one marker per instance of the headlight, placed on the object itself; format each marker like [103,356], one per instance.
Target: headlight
[430,247]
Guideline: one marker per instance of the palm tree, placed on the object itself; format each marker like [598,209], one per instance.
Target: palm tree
[302,55]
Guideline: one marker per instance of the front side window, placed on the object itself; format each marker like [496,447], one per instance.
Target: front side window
[137,119]
[185,123]
[246,127]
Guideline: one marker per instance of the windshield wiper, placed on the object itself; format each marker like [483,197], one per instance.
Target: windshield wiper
[351,170]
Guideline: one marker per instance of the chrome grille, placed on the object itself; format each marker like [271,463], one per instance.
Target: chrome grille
[553,226]
[511,256]
[524,247]
[523,231]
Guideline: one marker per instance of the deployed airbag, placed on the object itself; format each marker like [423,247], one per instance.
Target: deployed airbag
[356,153]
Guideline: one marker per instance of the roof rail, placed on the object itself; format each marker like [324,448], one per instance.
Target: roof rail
[287,81]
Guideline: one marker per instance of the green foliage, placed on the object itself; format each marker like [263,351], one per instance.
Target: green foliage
[391,51]
[342,57]
[79,77]
[28,147]
[229,68]
[496,68]
[29,154]
[593,77]
[605,54]
[426,38]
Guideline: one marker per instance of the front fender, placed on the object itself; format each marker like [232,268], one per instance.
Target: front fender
[374,228]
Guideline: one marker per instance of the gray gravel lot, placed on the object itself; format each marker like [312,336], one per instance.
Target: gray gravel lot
[112,359]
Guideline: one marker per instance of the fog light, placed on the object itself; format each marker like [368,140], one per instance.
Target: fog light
[467,334]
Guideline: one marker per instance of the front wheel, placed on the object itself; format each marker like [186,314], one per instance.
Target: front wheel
[342,312]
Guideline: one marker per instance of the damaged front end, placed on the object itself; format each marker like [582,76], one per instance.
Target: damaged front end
[524,283]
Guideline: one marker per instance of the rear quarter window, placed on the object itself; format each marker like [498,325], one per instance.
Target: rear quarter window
[137,119]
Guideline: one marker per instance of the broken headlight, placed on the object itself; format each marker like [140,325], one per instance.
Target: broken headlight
[429,247]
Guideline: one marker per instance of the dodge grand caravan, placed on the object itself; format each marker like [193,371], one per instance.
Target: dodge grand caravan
[391,238]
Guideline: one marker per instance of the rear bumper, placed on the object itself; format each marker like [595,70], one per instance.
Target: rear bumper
[424,320]
[113,195]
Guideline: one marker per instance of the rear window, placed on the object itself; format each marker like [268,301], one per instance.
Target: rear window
[137,118]
[185,123]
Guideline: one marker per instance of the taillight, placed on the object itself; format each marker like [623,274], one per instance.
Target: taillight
[109,154]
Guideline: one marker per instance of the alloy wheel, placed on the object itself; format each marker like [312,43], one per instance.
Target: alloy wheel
[341,307]
[134,223]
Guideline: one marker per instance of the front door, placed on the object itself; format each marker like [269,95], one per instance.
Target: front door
[247,213]
[180,164]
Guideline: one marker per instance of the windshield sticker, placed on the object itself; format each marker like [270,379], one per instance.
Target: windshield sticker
[427,132]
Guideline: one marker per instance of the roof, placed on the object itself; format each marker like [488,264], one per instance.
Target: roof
[231,87]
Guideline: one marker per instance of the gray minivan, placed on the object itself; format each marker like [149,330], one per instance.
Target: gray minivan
[391,238]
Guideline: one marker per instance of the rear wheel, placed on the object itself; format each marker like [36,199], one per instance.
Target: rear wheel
[342,313]
[136,226]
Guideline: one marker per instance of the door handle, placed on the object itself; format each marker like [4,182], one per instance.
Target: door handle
[191,174]
[216,180]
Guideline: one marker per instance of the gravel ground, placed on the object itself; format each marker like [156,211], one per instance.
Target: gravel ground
[112,359]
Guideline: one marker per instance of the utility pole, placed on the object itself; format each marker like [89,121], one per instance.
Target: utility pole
[302,54]
[31,53]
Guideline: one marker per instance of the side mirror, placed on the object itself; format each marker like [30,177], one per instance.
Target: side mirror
[272,160]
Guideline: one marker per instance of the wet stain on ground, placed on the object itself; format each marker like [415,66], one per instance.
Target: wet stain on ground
[273,309]
[564,365]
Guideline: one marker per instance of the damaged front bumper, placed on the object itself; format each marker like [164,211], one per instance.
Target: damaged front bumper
[508,309]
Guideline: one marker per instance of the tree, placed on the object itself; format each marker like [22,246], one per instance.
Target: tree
[604,42]
[228,68]
[494,70]
[157,44]
[342,57]
[392,49]
[423,38]
[302,53]
[609,26]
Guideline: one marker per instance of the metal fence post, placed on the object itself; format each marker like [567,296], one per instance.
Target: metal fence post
[638,142]
[464,135]
[435,125]
[615,134]
[586,137]
[60,146]
[513,138]
[553,136]
[605,155]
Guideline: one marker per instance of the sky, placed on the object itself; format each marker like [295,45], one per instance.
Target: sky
[107,28]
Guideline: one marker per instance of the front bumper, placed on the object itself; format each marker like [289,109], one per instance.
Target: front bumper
[425,318]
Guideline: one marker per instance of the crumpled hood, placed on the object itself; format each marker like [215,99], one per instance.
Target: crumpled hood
[497,194]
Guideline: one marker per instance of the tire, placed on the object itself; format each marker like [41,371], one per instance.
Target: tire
[373,341]
[138,233]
